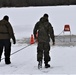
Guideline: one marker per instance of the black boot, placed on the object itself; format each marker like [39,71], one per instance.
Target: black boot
[7,61]
[47,65]
[40,64]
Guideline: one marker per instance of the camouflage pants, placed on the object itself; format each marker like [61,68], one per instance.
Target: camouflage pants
[43,51]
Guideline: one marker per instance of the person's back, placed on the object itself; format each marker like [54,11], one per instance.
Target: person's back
[6,33]
[45,32]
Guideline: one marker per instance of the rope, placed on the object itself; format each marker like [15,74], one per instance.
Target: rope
[19,50]
[61,40]
[58,36]
[61,32]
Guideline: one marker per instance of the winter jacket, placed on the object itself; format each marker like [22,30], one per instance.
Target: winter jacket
[6,30]
[49,32]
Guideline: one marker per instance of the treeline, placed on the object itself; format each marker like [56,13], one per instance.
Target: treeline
[25,3]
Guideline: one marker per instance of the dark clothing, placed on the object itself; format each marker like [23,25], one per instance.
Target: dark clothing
[6,34]
[6,30]
[44,36]
[43,50]
[5,43]
[45,32]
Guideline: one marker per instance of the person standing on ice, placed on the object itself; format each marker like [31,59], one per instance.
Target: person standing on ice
[6,34]
[45,32]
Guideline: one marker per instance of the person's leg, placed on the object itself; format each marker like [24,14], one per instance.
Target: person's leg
[40,54]
[7,51]
[46,54]
[1,49]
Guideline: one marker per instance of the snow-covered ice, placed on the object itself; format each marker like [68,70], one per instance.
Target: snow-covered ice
[63,61]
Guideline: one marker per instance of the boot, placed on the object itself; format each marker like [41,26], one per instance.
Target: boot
[7,61]
[47,65]
[40,64]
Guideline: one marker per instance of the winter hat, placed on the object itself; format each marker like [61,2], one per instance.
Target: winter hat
[6,18]
[45,15]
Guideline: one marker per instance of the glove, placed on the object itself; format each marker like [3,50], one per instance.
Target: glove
[14,40]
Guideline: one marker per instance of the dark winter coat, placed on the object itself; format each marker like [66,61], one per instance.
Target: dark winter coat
[47,34]
[6,30]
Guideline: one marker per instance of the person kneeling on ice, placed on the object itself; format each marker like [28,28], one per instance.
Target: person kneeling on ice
[45,31]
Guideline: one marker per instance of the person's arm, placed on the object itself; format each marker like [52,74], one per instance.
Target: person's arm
[11,32]
[51,30]
[35,30]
